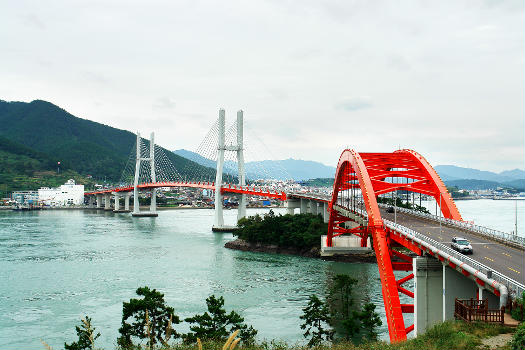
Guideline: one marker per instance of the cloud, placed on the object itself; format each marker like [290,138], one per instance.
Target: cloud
[354,103]
[33,21]
[164,103]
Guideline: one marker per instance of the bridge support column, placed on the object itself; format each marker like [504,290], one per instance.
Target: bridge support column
[455,285]
[304,206]
[218,220]
[241,211]
[313,207]
[153,203]
[91,201]
[291,204]
[428,293]
[117,202]
[151,159]
[126,201]
[326,214]
[107,201]
[99,201]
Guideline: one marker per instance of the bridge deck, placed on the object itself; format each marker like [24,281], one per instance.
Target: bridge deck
[500,257]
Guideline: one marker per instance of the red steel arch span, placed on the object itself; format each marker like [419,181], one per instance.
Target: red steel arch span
[373,174]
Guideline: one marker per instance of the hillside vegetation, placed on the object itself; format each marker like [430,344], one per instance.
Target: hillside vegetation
[41,134]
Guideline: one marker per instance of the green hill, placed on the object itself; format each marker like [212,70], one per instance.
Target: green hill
[83,146]
[22,168]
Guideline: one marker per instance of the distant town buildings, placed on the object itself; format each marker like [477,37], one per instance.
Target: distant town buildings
[68,194]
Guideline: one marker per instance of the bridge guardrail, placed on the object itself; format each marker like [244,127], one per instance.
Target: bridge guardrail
[512,285]
[491,233]
[515,288]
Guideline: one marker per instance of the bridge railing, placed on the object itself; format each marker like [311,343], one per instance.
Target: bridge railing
[513,286]
[494,234]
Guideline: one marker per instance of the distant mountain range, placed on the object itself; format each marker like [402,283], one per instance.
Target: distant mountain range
[277,169]
[302,170]
[452,172]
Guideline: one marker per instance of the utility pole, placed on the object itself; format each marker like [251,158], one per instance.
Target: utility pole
[516,218]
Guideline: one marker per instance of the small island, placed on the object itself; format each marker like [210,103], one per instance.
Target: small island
[287,234]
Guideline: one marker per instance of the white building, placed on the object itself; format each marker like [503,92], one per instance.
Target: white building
[67,194]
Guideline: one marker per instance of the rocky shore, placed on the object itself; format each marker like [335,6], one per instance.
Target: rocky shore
[239,244]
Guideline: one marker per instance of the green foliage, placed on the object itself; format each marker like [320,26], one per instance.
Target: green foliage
[345,315]
[299,231]
[518,313]
[455,192]
[81,145]
[217,325]
[320,182]
[316,318]
[147,318]
[86,336]
[370,320]
[518,340]
[401,204]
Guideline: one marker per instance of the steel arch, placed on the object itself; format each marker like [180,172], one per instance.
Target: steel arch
[369,172]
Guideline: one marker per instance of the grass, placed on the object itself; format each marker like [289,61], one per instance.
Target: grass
[449,335]
[444,336]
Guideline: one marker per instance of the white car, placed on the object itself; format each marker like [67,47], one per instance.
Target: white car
[462,245]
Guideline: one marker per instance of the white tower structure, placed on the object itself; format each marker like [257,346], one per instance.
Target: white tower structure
[218,224]
[151,159]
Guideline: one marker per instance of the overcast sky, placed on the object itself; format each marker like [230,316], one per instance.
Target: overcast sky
[445,78]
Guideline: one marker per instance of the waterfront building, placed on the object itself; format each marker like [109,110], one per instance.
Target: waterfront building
[68,194]
[25,197]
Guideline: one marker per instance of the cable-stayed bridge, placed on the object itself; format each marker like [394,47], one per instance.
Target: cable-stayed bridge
[404,241]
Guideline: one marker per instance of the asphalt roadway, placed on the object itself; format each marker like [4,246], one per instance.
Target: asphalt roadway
[507,260]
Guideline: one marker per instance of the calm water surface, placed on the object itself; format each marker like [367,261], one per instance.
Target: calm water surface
[59,265]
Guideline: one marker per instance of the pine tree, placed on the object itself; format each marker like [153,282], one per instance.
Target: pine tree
[316,318]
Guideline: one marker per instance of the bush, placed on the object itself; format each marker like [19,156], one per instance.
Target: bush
[86,337]
[301,231]
[518,340]
[518,313]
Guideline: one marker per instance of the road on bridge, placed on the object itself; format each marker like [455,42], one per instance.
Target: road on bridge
[502,258]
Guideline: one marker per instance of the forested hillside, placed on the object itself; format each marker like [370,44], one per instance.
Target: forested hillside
[22,168]
[82,146]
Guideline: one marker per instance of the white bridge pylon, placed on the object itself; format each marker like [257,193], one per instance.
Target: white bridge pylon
[151,160]
[218,223]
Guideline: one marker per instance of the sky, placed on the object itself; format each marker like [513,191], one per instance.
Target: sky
[445,78]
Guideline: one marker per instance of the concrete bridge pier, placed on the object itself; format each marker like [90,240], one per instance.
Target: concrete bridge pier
[436,288]
[313,207]
[291,204]
[117,202]
[99,201]
[326,214]
[107,201]
[304,206]
[428,293]
[91,202]
[127,195]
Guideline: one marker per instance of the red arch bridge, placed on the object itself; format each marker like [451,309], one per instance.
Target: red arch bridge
[414,259]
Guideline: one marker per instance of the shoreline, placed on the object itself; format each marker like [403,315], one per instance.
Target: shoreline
[242,245]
